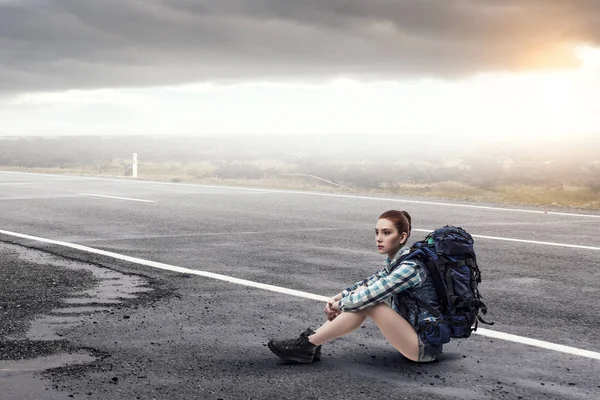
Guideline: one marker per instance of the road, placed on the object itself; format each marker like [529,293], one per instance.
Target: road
[108,293]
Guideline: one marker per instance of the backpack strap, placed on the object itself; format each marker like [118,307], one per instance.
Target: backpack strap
[440,289]
[418,253]
[483,309]
[427,257]
[432,311]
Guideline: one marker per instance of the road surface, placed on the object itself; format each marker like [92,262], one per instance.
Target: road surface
[122,289]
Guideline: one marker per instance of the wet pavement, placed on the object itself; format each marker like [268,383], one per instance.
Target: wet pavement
[43,298]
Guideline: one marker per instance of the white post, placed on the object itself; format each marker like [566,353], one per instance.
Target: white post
[134,168]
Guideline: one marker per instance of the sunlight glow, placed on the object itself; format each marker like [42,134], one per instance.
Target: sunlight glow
[589,56]
[525,105]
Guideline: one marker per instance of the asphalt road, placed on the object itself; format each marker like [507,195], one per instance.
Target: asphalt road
[76,324]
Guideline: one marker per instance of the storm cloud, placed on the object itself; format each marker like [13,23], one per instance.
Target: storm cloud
[67,44]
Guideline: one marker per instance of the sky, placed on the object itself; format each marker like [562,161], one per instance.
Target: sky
[476,68]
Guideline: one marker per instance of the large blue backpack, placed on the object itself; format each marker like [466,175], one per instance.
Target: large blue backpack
[449,257]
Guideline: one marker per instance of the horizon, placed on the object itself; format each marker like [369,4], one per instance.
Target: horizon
[469,70]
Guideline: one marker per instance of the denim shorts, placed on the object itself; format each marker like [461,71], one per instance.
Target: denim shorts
[428,352]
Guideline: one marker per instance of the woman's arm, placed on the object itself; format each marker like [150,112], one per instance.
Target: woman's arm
[365,282]
[332,308]
[401,278]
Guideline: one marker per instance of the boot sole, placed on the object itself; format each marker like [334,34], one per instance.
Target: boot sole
[301,360]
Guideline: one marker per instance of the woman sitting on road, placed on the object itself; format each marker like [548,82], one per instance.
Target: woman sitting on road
[388,297]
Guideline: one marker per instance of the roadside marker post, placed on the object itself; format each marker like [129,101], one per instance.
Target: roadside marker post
[134,166]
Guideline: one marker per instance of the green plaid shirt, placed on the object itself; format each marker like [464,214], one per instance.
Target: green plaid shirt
[393,278]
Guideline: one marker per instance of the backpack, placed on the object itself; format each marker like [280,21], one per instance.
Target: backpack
[449,257]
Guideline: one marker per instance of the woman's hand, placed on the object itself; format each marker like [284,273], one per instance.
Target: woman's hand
[331,309]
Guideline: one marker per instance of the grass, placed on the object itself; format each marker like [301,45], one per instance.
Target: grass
[516,194]
[567,196]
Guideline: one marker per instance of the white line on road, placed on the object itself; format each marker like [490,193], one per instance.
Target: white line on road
[116,197]
[192,235]
[574,246]
[292,292]
[372,198]
[115,179]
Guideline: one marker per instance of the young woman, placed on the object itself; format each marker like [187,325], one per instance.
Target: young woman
[391,298]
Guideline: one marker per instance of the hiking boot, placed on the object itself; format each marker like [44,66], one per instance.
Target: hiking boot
[317,357]
[299,349]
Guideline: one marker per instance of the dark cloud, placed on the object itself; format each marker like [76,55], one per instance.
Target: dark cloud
[61,44]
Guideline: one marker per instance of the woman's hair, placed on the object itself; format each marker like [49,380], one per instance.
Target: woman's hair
[400,219]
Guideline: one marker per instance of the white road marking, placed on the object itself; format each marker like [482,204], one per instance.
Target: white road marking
[138,237]
[313,194]
[538,343]
[116,197]
[266,232]
[292,292]
[17,183]
[41,197]
[372,198]
[574,246]
[351,196]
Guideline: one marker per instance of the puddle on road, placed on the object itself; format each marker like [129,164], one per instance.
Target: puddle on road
[20,377]
[47,327]
[86,300]
[16,367]
[78,310]
[24,377]
[111,288]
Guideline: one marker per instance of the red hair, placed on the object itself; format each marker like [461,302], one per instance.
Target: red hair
[400,219]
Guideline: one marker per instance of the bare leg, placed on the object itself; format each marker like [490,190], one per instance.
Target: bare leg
[344,323]
[395,328]
[341,325]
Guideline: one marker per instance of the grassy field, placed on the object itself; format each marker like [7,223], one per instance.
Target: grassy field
[557,172]
[580,197]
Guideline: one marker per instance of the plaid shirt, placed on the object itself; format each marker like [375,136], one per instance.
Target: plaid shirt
[393,278]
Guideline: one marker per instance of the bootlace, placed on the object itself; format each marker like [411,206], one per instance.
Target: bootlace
[302,340]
